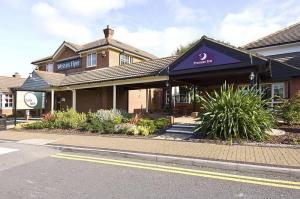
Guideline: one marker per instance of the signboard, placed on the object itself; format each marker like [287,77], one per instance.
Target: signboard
[204,57]
[30,100]
[69,64]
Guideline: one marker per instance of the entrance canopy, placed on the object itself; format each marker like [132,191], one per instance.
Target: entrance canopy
[210,61]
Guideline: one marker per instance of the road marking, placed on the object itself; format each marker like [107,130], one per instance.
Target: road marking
[178,170]
[7,150]
[36,141]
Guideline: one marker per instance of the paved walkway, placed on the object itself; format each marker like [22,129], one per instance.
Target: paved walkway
[277,156]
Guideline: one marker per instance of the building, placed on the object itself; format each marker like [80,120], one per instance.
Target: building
[6,93]
[282,46]
[109,74]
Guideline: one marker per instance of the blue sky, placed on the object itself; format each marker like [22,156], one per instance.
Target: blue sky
[32,29]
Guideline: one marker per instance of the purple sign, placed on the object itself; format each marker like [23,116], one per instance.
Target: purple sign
[204,57]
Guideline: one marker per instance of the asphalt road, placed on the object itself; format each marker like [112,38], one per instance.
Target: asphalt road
[28,171]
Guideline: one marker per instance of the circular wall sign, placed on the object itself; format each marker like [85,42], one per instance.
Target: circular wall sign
[30,100]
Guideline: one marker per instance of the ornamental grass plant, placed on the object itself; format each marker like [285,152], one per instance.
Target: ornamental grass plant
[230,113]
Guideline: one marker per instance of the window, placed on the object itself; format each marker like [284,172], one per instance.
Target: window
[125,59]
[273,91]
[180,94]
[91,60]
[8,101]
[49,67]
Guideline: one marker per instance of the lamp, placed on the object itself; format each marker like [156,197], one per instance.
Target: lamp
[167,84]
[251,78]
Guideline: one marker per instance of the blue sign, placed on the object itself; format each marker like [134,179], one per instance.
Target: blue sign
[204,57]
[70,64]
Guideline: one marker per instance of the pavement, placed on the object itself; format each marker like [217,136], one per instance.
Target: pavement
[37,171]
[246,154]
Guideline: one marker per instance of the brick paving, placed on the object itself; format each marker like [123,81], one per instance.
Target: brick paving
[276,156]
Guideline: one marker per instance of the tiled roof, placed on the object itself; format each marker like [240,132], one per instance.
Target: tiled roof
[41,80]
[118,44]
[288,58]
[287,35]
[53,79]
[10,82]
[138,69]
[103,42]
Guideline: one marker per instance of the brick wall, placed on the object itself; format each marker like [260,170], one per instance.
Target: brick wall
[294,86]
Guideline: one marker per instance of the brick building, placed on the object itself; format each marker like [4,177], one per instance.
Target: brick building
[108,74]
[6,93]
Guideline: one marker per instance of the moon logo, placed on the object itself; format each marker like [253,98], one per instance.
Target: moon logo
[203,56]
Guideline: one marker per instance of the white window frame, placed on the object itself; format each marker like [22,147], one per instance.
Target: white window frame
[10,104]
[91,60]
[273,101]
[176,95]
[50,67]
[125,59]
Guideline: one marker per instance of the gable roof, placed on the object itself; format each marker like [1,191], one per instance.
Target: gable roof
[96,44]
[6,83]
[290,34]
[245,56]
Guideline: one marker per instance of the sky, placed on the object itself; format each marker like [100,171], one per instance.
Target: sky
[33,29]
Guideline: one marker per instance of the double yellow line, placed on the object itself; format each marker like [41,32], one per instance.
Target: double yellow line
[184,171]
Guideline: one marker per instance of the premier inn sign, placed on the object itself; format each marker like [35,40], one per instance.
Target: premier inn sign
[70,64]
[30,100]
[205,57]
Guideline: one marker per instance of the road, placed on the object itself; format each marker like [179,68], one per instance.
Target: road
[29,171]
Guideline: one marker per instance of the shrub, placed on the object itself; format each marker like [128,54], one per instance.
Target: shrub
[92,123]
[103,121]
[69,119]
[161,123]
[238,114]
[35,125]
[147,123]
[124,128]
[289,111]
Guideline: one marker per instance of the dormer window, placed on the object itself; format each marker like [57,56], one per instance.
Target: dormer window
[91,60]
[125,59]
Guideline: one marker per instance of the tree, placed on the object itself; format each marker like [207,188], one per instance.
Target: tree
[182,49]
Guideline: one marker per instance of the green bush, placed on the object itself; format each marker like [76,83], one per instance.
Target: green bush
[92,123]
[69,119]
[35,125]
[124,128]
[289,111]
[161,123]
[235,114]
[147,123]
[103,121]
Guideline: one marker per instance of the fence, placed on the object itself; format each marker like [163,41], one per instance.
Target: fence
[2,123]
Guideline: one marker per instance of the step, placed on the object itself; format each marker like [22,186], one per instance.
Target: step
[190,126]
[180,130]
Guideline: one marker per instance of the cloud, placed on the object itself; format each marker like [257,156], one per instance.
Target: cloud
[257,20]
[184,13]
[92,8]
[159,42]
[53,23]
